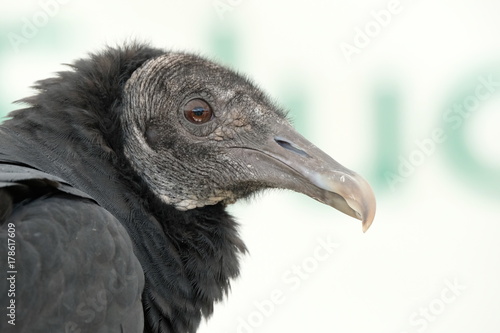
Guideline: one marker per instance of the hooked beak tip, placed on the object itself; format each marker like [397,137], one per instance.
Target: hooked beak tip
[367,206]
[367,222]
[360,198]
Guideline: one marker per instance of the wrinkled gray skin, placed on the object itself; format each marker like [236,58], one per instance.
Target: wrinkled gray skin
[195,154]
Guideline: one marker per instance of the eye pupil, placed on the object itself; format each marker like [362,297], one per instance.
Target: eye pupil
[198,111]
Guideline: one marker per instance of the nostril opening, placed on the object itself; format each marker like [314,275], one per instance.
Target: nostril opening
[289,146]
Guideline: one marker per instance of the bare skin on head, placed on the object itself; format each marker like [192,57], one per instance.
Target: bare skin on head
[230,141]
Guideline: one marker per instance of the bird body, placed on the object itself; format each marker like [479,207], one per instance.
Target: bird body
[178,255]
[116,178]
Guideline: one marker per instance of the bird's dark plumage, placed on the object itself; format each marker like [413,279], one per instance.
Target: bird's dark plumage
[116,177]
[74,268]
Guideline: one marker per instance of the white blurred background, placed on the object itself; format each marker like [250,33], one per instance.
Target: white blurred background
[406,93]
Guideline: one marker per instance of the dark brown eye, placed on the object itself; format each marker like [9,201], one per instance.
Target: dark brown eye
[198,111]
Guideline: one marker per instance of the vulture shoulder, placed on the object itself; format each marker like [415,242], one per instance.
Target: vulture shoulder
[74,253]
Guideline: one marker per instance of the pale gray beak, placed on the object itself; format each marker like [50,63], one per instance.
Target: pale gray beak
[288,160]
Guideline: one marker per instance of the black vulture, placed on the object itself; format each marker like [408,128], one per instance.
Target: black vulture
[114,182]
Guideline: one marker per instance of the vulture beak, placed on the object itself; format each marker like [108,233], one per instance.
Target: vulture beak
[292,162]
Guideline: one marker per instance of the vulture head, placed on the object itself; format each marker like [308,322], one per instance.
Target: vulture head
[199,134]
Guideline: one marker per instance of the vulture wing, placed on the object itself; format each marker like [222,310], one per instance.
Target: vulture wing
[74,253]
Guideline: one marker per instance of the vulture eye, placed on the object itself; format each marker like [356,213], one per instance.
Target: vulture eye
[198,111]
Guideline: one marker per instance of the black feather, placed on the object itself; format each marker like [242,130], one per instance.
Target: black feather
[71,132]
